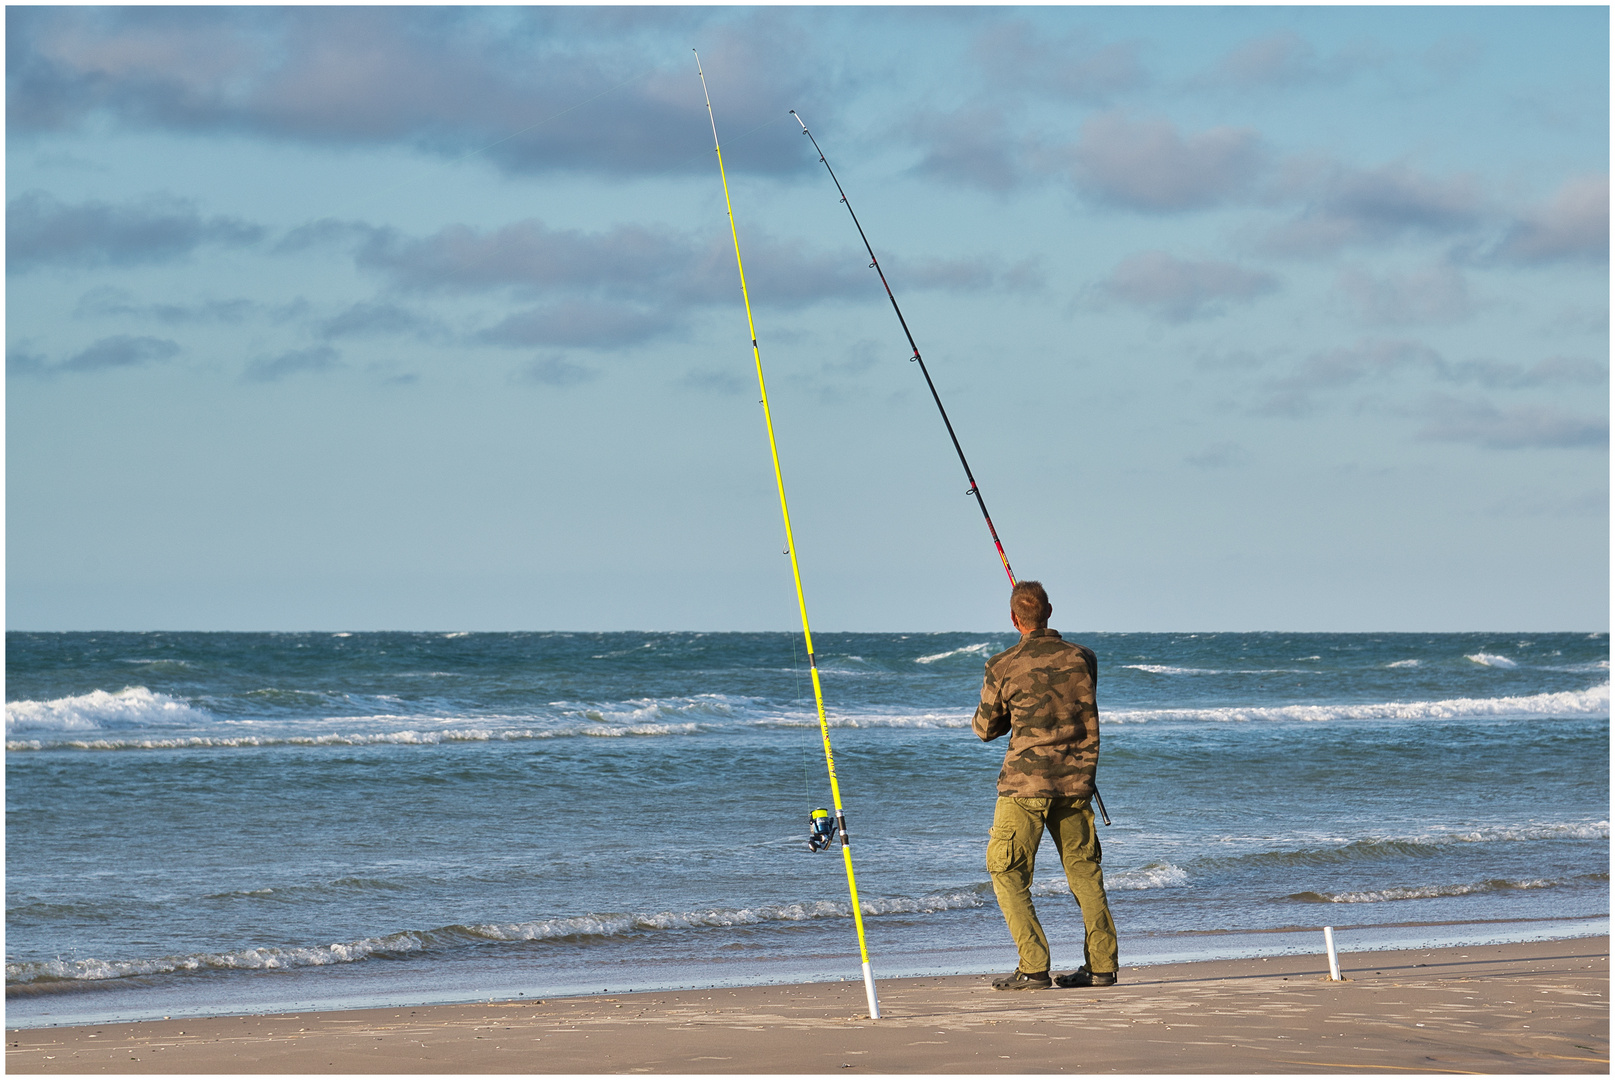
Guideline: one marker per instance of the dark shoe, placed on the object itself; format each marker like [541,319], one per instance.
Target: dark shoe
[1023,980]
[1083,977]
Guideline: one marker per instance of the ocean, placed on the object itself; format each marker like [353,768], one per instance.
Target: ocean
[204,823]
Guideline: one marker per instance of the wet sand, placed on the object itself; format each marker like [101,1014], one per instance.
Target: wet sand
[1537,1007]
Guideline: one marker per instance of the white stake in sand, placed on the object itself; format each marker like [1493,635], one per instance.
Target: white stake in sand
[1334,961]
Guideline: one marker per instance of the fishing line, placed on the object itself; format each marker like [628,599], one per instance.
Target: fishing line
[796,572]
[975,488]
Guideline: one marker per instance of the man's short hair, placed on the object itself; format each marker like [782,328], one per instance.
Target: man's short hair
[1030,604]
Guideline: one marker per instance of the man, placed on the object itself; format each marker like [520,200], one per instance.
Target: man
[1041,693]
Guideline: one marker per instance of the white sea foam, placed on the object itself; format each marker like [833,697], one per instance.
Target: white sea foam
[93,721]
[1155,875]
[559,928]
[133,706]
[1486,659]
[870,720]
[265,959]
[642,710]
[1591,665]
[1161,875]
[1573,830]
[921,905]
[1591,702]
[1311,850]
[409,737]
[1403,664]
[1167,669]
[1425,892]
[801,911]
[982,648]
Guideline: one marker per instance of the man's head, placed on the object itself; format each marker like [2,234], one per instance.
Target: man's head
[1029,606]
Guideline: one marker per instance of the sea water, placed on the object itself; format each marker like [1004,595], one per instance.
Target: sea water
[211,822]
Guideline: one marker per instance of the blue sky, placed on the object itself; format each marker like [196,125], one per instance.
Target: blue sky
[1260,318]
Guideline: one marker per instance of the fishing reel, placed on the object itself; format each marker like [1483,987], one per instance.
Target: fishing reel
[821,830]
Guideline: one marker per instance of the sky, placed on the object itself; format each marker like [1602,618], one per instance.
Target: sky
[1289,319]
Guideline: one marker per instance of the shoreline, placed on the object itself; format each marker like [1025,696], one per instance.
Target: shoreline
[1534,1006]
[344,988]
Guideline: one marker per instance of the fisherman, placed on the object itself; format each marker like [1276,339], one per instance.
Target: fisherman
[1041,693]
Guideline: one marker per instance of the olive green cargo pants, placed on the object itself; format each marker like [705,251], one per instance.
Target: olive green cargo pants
[1018,826]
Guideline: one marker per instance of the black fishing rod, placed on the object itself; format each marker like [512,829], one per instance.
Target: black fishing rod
[975,489]
[874,263]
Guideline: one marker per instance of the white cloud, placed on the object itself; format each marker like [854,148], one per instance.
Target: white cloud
[556,370]
[1071,66]
[1480,423]
[1220,455]
[1282,59]
[1148,165]
[536,89]
[1436,294]
[275,368]
[40,230]
[1554,371]
[1346,206]
[1333,369]
[582,323]
[969,146]
[1376,365]
[1183,289]
[1572,224]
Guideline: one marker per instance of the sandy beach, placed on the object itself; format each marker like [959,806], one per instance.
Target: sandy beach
[1518,1008]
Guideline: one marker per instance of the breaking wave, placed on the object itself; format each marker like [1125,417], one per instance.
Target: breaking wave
[570,928]
[138,719]
[872,720]
[1486,659]
[131,707]
[1436,892]
[1161,875]
[983,648]
[123,721]
[1591,702]
[561,928]
[1167,669]
[384,738]
[1333,851]
[1155,875]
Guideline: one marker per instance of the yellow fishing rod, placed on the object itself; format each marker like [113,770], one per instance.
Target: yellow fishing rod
[796,573]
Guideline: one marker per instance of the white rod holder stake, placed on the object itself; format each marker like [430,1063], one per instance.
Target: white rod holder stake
[869,992]
[1334,960]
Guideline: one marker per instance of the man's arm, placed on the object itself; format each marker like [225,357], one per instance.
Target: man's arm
[992,715]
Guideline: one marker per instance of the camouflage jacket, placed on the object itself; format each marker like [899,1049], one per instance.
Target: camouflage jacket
[1041,692]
